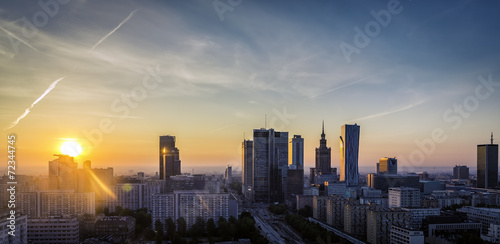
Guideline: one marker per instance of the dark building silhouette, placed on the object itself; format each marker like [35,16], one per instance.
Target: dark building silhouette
[170,164]
[461,172]
[487,165]
[247,169]
[270,164]
[323,155]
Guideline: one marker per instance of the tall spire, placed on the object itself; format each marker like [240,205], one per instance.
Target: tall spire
[323,128]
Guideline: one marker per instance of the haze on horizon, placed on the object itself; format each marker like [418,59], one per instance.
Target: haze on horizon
[116,75]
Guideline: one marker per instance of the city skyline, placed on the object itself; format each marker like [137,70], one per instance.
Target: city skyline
[115,77]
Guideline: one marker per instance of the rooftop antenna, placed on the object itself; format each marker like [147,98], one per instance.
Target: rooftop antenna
[491,138]
[265,121]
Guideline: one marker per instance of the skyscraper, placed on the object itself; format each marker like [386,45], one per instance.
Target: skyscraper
[270,164]
[388,166]
[349,148]
[323,155]
[297,148]
[170,164]
[247,168]
[487,165]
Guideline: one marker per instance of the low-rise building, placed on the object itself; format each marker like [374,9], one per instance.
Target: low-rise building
[54,229]
[119,226]
[400,235]
[15,224]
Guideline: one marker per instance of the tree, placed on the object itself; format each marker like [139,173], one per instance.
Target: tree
[181,226]
[211,228]
[170,226]
[159,231]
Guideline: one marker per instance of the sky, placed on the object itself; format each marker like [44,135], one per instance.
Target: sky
[419,77]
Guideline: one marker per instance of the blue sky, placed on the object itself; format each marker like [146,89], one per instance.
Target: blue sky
[219,78]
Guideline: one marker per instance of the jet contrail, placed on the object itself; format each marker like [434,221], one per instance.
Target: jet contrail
[390,112]
[17,38]
[342,86]
[115,29]
[26,112]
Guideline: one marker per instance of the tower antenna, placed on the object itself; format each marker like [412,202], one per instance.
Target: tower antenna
[265,121]
[491,138]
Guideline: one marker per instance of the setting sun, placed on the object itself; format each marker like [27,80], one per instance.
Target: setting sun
[71,148]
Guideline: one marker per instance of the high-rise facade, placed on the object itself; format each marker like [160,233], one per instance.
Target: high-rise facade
[487,165]
[297,148]
[323,155]
[270,164]
[388,166]
[461,172]
[349,148]
[170,164]
[247,168]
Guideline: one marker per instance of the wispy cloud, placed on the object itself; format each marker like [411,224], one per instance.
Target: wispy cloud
[115,29]
[390,112]
[28,110]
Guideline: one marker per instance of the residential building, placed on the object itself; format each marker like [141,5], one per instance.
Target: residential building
[54,229]
[404,197]
[43,204]
[19,230]
[419,214]
[379,222]
[118,226]
[400,235]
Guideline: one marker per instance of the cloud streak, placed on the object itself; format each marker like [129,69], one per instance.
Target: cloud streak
[28,110]
[390,112]
[115,29]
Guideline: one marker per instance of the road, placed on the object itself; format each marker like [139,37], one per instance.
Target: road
[276,231]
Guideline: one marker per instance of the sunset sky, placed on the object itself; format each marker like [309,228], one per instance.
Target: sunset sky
[115,75]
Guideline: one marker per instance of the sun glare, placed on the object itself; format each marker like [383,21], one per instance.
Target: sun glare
[71,148]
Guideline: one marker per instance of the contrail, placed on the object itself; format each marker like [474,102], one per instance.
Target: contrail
[115,29]
[390,112]
[26,112]
[340,87]
[17,38]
